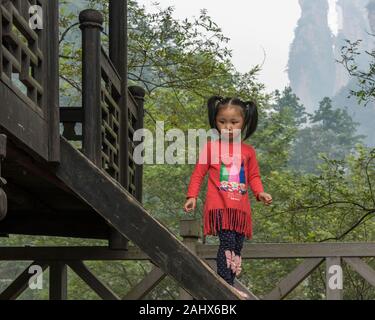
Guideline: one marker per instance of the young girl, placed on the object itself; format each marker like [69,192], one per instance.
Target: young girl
[227,211]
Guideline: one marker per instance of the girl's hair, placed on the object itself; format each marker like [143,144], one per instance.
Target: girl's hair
[249,112]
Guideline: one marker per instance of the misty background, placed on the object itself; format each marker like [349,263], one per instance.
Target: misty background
[296,43]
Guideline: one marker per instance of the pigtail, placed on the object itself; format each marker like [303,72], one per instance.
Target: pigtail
[212,106]
[251,118]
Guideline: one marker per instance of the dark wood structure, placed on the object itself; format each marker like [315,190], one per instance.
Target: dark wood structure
[54,189]
[49,187]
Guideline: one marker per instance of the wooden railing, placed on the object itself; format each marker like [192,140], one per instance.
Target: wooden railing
[29,79]
[334,255]
[29,76]
[314,254]
[110,112]
[23,61]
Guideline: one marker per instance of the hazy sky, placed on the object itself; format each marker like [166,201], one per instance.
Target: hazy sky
[258,29]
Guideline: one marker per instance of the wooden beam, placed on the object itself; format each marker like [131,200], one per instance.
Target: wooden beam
[58,281]
[70,254]
[362,268]
[293,279]
[124,213]
[21,283]
[134,253]
[101,289]
[296,250]
[148,283]
[334,278]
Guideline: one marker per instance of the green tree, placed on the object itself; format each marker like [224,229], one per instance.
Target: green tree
[332,132]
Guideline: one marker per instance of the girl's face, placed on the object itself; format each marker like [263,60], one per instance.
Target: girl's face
[228,119]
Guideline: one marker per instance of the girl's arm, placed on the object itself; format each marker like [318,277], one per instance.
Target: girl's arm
[199,172]
[254,175]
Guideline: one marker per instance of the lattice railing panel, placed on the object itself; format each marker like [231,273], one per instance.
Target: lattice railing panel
[21,56]
[110,126]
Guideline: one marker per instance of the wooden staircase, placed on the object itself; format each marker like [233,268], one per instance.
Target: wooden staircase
[124,213]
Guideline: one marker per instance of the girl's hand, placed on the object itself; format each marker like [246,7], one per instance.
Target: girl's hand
[265,198]
[190,204]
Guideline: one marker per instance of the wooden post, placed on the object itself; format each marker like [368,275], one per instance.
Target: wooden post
[58,281]
[3,196]
[118,46]
[190,231]
[139,95]
[52,80]
[334,278]
[117,241]
[91,25]
[118,53]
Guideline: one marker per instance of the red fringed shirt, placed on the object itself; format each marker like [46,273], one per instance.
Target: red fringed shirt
[232,168]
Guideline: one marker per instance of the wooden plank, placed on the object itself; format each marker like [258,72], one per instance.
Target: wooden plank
[89,253]
[21,122]
[293,279]
[147,284]
[101,289]
[123,212]
[296,250]
[134,252]
[21,283]
[334,278]
[58,281]
[362,268]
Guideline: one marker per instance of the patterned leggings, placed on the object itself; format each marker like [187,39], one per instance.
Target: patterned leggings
[229,240]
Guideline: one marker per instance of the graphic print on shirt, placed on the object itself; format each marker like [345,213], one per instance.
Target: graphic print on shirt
[232,180]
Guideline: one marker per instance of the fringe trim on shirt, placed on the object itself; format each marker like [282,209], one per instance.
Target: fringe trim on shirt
[232,219]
